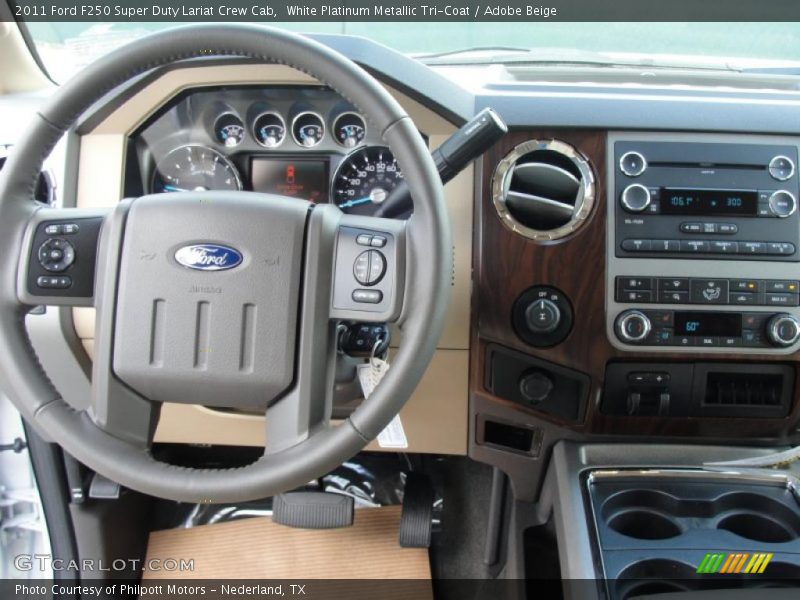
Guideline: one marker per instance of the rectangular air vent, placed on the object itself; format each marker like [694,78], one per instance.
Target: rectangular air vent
[743,390]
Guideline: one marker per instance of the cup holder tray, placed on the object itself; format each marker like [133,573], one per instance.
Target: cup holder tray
[653,533]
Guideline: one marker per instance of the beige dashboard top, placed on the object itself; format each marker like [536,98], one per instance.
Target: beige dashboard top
[435,420]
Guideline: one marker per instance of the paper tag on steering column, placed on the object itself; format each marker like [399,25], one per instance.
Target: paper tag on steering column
[369,375]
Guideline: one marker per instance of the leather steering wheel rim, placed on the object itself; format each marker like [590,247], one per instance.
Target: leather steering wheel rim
[428,263]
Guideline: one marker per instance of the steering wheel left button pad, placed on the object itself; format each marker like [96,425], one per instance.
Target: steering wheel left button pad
[61,262]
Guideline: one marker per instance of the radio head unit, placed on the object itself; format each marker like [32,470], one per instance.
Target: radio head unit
[712,200]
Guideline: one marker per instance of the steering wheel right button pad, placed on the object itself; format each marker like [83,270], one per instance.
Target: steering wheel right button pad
[366,278]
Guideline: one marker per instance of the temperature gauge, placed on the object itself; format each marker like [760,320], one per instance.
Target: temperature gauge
[349,129]
[269,129]
[308,129]
[229,130]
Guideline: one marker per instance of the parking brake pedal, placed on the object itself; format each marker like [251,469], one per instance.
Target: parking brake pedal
[313,510]
[416,520]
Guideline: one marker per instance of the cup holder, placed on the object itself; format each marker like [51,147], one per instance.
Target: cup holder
[654,576]
[758,518]
[644,525]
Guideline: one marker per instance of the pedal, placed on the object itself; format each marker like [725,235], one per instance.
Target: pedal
[313,510]
[416,520]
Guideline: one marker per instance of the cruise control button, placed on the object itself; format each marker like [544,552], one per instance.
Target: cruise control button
[364,239]
[70,228]
[378,241]
[367,296]
[709,291]
[377,267]
[361,268]
[53,229]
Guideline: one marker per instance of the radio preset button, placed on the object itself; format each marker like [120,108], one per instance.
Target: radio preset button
[695,246]
[781,168]
[782,203]
[636,245]
[633,164]
[780,248]
[724,247]
[635,198]
[665,246]
[752,247]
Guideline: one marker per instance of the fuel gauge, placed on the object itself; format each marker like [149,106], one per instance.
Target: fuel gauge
[349,129]
[308,129]
[229,130]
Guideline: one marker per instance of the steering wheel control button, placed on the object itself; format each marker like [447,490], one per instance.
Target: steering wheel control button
[378,241]
[367,296]
[369,267]
[782,204]
[632,164]
[56,255]
[55,282]
[542,316]
[364,240]
[781,168]
[633,327]
[635,198]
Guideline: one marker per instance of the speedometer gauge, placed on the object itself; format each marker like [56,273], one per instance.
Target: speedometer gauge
[364,179]
[194,168]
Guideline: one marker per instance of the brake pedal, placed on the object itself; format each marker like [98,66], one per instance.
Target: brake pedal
[416,520]
[313,510]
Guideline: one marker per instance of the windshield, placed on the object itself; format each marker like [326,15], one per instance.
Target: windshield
[66,47]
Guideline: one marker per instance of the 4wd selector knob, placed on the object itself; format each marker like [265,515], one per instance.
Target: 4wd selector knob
[635,197]
[633,326]
[783,330]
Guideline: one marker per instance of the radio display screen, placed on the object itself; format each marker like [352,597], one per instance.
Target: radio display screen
[709,203]
[304,179]
[708,324]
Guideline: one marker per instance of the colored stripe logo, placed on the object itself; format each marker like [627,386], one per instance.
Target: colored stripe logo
[734,562]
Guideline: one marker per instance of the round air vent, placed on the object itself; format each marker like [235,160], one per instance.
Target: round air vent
[543,189]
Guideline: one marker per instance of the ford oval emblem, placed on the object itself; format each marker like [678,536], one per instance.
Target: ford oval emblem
[208,257]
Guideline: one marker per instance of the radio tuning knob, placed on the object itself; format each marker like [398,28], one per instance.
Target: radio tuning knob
[783,330]
[782,203]
[633,326]
[635,197]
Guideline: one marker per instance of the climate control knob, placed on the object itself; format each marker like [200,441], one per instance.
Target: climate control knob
[635,198]
[633,327]
[783,330]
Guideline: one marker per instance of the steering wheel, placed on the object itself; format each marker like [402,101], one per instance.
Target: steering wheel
[219,298]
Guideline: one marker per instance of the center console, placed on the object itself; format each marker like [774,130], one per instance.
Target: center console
[703,241]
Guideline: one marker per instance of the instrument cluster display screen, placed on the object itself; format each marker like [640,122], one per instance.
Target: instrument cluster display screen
[708,324]
[302,178]
[709,203]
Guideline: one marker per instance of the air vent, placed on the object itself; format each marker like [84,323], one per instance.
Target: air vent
[743,389]
[45,185]
[543,189]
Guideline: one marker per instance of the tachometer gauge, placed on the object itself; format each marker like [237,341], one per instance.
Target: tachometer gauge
[194,168]
[349,129]
[308,129]
[229,130]
[364,179]
[269,129]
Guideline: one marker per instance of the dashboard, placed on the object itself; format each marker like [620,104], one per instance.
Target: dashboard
[626,257]
[297,141]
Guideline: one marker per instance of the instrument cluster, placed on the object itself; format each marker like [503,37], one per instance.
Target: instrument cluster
[299,141]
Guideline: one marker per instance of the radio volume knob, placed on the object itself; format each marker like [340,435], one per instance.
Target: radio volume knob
[783,330]
[782,203]
[635,197]
[633,326]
